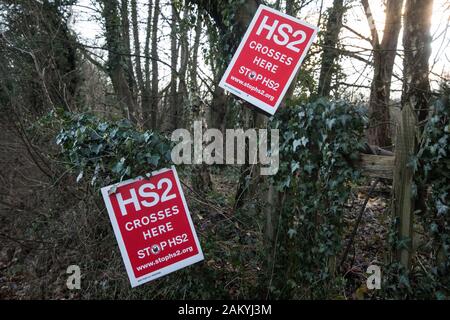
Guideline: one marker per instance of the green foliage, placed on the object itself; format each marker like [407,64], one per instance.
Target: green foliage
[106,152]
[429,276]
[434,170]
[318,143]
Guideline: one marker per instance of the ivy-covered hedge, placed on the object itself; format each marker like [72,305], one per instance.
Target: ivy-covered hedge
[429,274]
[318,143]
[107,152]
[434,171]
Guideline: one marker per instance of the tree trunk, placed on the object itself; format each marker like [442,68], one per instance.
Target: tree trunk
[417,46]
[146,93]
[117,63]
[137,46]
[126,51]
[330,50]
[292,10]
[182,96]
[194,64]
[416,84]
[201,178]
[155,80]
[379,132]
[171,121]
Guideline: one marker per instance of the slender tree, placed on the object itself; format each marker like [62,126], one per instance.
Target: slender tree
[417,46]
[172,119]
[182,96]
[137,46]
[330,51]
[194,60]
[154,54]
[118,55]
[384,53]
[146,94]
[126,50]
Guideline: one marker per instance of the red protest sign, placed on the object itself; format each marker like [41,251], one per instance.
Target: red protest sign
[152,225]
[268,58]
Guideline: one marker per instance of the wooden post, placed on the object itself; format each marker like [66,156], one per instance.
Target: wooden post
[402,200]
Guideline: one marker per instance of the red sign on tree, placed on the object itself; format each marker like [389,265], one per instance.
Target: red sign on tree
[268,58]
[152,225]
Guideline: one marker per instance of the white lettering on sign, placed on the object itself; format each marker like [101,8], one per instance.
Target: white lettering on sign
[282,38]
[144,193]
[268,58]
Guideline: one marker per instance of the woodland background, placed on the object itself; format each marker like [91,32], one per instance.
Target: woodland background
[91,90]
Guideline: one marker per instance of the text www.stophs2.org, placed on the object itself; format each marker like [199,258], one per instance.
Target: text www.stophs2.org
[165,258]
[253,88]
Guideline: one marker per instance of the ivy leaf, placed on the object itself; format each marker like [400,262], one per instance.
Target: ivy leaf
[440,295]
[291,232]
[103,126]
[118,167]
[441,208]
[147,136]
[304,141]
[295,144]
[345,118]
[309,168]
[447,128]
[59,138]
[286,182]
[403,280]
[330,123]
[96,148]
[294,166]
[288,135]
[80,176]
[434,228]
[154,160]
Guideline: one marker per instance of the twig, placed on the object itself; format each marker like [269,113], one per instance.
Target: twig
[358,221]
[23,241]
[206,202]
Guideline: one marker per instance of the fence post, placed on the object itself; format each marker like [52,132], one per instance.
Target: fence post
[402,200]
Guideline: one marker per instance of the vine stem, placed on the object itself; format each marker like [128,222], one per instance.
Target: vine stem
[358,221]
